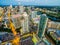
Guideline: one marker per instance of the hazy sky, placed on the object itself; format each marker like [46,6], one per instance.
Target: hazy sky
[31,2]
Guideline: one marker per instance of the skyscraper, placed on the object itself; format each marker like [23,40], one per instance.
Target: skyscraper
[42,25]
[24,24]
[33,14]
[21,9]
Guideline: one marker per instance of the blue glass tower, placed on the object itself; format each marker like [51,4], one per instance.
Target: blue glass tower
[42,25]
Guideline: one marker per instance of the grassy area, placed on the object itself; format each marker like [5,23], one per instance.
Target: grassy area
[55,15]
[52,14]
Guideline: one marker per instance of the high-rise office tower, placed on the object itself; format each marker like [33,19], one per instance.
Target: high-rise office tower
[29,10]
[42,25]
[33,14]
[21,9]
[24,24]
